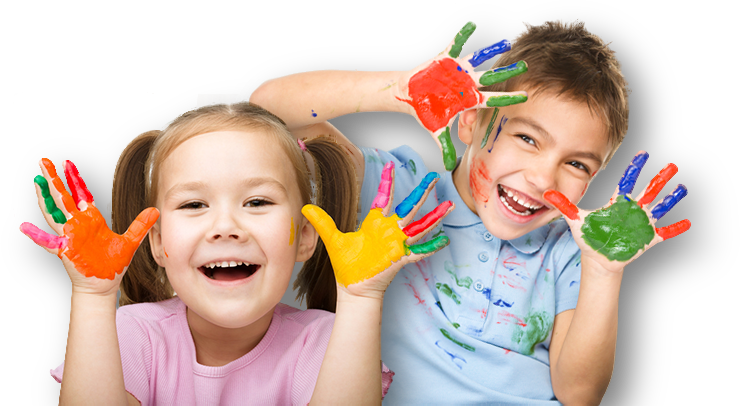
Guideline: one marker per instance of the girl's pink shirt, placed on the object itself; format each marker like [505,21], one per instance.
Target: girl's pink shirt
[159,364]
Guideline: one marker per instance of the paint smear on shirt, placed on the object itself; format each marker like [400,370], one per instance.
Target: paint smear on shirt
[537,329]
[447,291]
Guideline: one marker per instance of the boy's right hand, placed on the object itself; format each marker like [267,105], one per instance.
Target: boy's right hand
[441,88]
[94,256]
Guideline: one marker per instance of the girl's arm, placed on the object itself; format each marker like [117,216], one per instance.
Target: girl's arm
[364,264]
[95,259]
[351,371]
[92,365]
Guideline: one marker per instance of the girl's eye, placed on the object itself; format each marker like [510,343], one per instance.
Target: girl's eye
[257,203]
[191,205]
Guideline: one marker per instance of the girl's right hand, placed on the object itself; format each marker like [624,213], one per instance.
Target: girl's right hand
[444,86]
[94,256]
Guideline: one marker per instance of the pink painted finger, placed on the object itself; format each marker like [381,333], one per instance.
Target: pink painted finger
[76,184]
[385,187]
[141,225]
[67,201]
[657,184]
[673,230]
[42,238]
[430,219]
[562,203]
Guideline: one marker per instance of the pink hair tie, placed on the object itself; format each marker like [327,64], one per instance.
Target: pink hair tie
[302,144]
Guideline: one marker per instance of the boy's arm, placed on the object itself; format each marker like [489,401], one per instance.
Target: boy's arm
[306,101]
[584,339]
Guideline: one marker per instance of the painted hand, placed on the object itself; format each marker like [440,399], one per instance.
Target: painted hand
[441,88]
[368,259]
[621,231]
[89,250]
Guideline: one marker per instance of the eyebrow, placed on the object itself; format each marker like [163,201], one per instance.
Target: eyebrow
[537,127]
[246,183]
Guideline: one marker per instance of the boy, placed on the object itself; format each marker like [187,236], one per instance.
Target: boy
[497,317]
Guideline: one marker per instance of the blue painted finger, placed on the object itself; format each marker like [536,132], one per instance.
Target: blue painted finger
[489,52]
[403,209]
[627,183]
[665,205]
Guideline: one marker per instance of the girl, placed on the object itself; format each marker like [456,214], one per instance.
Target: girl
[207,326]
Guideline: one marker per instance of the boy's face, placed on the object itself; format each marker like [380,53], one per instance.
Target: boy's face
[548,142]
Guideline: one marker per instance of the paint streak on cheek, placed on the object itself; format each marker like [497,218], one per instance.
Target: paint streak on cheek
[292,232]
[480,181]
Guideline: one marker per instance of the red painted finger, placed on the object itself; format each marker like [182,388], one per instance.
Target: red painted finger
[562,203]
[673,230]
[76,184]
[657,184]
[42,238]
[67,200]
[430,219]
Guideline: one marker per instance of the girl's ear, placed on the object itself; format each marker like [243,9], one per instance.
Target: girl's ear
[308,238]
[466,124]
[155,243]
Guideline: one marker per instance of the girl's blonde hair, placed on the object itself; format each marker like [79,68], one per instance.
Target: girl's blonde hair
[566,59]
[135,187]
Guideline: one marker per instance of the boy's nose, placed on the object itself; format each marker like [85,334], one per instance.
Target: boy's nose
[541,175]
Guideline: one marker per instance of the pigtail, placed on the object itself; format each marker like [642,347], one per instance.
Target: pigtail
[144,281]
[336,193]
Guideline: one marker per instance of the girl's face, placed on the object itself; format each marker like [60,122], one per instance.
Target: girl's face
[231,229]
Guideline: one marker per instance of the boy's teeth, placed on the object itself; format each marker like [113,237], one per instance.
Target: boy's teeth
[511,209]
[521,200]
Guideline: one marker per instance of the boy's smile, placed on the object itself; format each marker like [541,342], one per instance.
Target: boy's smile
[548,142]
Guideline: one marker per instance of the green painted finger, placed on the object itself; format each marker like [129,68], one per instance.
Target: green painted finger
[51,207]
[504,73]
[430,246]
[461,38]
[449,155]
[505,100]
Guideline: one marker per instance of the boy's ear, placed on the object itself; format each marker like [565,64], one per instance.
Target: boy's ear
[308,238]
[155,243]
[466,125]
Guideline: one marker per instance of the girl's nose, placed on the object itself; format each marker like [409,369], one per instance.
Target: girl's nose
[225,227]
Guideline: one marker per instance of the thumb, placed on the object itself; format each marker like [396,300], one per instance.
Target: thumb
[141,225]
[322,222]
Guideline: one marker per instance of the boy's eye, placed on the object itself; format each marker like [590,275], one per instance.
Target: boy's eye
[579,165]
[526,139]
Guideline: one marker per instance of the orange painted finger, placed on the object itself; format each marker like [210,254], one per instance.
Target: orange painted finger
[67,200]
[657,184]
[673,230]
[141,225]
[562,203]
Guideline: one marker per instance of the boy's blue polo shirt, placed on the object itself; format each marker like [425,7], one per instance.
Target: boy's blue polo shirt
[473,322]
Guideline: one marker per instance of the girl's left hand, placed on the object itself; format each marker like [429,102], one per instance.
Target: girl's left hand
[365,261]
[621,231]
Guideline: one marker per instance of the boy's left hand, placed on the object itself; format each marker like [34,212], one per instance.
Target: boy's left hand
[365,261]
[621,231]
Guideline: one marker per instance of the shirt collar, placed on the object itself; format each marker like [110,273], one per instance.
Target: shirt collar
[463,217]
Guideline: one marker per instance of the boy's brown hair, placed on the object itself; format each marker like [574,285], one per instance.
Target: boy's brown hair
[567,60]
[135,186]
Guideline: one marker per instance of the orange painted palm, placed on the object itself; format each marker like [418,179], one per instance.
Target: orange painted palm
[90,251]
